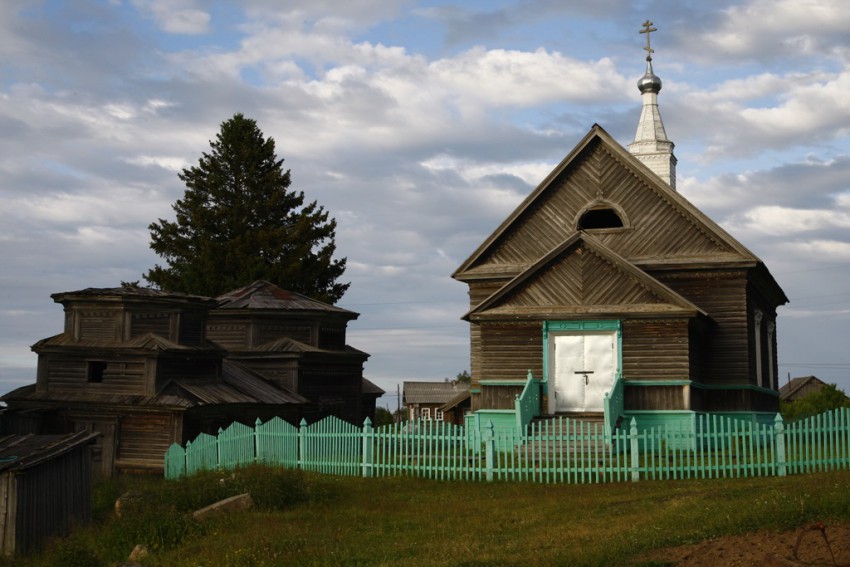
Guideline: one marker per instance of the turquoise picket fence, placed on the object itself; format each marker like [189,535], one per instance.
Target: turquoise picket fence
[558,450]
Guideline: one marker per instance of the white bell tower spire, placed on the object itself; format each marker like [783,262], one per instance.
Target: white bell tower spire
[651,145]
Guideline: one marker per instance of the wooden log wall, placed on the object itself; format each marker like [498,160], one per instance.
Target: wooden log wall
[510,350]
[120,376]
[656,349]
[723,295]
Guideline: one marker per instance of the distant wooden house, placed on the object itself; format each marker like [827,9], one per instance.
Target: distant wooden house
[800,387]
[437,401]
[144,369]
[607,283]
[45,488]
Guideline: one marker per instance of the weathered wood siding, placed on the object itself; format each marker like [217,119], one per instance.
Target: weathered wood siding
[656,397]
[98,325]
[69,374]
[478,292]
[267,332]
[510,350]
[46,500]
[656,349]
[228,334]
[143,440]
[498,397]
[725,349]
[155,322]
[660,230]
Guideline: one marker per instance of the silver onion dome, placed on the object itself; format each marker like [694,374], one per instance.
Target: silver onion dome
[650,81]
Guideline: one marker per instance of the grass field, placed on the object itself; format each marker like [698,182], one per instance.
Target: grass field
[303,519]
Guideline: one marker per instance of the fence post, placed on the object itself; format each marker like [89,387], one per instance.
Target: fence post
[301,451]
[489,449]
[218,448]
[779,428]
[368,447]
[635,448]
[257,443]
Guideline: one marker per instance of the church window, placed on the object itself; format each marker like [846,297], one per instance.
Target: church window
[95,371]
[600,218]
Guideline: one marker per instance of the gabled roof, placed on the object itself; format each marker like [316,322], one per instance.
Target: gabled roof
[19,452]
[599,170]
[432,392]
[582,276]
[790,389]
[262,295]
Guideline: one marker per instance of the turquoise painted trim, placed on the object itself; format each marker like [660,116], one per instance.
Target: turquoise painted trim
[702,386]
[659,382]
[475,390]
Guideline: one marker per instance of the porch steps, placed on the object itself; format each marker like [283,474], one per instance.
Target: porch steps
[574,433]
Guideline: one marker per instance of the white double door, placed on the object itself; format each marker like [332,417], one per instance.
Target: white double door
[582,371]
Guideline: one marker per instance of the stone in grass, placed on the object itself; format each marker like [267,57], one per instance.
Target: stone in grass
[232,504]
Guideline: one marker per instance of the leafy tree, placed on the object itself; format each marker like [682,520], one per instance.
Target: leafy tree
[237,222]
[827,398]
[463,377]
[383,416]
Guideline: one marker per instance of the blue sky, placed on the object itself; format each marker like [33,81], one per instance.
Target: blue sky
[419,126]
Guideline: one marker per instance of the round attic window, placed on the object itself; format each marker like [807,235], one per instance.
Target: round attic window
[600,218]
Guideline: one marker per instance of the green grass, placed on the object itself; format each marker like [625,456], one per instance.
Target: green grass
[303,519]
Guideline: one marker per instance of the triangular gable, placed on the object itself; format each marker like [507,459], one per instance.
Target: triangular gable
[582,277]
[662,226]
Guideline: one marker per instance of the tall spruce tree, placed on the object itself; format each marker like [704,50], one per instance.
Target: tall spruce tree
[237,222]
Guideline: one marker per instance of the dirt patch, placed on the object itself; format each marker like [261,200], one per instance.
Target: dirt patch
[815,544]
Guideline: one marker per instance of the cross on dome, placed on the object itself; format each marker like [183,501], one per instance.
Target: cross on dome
[647,29]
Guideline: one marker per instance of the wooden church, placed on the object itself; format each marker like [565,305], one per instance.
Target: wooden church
[145,368]
[605,281]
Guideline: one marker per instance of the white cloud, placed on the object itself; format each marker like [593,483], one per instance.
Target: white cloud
[176,16]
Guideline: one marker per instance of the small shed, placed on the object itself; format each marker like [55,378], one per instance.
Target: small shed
[800,387]
[45,487]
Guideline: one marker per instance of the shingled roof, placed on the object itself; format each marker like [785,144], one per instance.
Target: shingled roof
[433,392]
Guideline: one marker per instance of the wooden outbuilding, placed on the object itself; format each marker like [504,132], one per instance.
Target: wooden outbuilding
[800,387]
[45,488]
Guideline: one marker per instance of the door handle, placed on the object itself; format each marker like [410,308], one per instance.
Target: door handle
[586,377]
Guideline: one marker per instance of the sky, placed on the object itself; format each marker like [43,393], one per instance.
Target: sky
[419,126]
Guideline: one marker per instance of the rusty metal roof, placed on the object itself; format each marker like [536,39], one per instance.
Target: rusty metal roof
[262,295]
[129,292]
[19,452]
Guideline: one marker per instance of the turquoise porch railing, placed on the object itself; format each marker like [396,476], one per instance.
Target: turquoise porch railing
[558,450]
[613,404]
[527,403]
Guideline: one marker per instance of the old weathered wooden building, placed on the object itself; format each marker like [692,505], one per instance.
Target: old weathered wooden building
[605,281]
[146,368]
